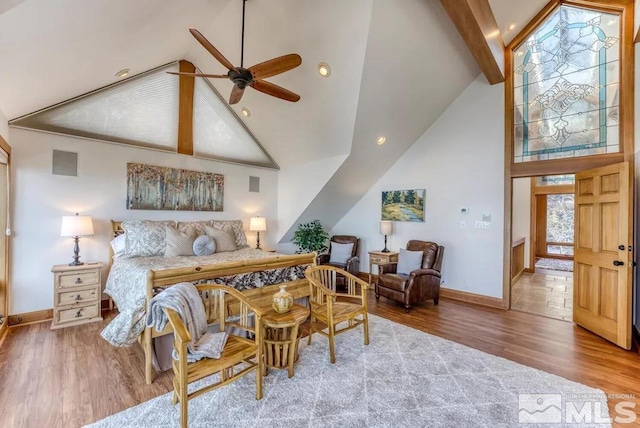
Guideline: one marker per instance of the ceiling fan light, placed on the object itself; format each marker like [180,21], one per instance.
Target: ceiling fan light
[324,70]
[245,112]
[122,73]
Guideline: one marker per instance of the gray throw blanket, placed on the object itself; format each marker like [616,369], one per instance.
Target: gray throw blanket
[185,300]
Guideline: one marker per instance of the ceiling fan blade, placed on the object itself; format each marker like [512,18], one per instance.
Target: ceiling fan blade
[275,66]
[212,50]
[236,95]
[213,76]
[275,90]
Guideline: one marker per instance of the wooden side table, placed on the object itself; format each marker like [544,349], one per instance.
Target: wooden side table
[76,294]
[380,258]
[280,337]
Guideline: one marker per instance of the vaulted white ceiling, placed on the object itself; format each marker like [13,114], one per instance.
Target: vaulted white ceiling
[396,65]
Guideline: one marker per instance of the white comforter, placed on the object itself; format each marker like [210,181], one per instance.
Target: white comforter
[127,285]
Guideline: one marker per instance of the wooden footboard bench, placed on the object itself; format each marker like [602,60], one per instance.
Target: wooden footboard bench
[198,274]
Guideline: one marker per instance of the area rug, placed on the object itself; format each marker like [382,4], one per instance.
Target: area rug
[555,264]
[404,378]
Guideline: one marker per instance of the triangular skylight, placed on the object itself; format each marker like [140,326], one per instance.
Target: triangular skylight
[143,111]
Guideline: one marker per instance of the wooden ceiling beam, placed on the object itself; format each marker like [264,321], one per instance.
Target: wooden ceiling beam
[479,29]
[185,109]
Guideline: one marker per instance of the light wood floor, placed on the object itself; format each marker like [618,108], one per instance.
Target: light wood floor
[547,294]
[71,377]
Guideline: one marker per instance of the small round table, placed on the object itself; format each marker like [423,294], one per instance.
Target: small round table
[280,337]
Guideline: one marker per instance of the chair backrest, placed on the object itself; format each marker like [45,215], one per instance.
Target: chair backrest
[432,253]
[228,307]
[322,283]
[346,239]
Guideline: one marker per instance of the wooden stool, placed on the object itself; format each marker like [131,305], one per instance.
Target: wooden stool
[281,339]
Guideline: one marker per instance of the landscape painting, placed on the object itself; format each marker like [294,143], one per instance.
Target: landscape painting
[160,188]
[403,205]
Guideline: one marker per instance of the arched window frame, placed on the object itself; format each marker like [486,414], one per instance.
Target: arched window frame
[624,8]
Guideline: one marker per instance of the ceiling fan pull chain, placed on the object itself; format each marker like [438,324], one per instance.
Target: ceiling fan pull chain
[244,3]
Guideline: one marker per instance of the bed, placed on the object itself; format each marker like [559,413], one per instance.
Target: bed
[133,281]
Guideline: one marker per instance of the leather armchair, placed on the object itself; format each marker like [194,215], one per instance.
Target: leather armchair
[420,285]
[353,263]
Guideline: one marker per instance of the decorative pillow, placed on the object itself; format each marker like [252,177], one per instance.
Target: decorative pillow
[204,245]
[408,261]
[225,240]
[119,245]
[188,226]
[179,243]
[237,228]
[340,253]
[145,238]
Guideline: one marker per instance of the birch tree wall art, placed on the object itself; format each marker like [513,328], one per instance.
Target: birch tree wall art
[160,188]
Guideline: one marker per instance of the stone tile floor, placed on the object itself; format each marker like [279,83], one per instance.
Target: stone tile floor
[549,294]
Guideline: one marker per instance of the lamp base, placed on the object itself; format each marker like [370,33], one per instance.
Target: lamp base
[386,250]
[76,253]
[258,242]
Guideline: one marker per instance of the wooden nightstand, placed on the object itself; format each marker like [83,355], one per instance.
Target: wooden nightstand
[76,294]
[380,258]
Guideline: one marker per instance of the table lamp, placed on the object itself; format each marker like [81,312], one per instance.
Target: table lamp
[386,228]
[76,226]
[258,224]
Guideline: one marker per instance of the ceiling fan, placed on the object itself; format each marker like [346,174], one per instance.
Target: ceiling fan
[252,76]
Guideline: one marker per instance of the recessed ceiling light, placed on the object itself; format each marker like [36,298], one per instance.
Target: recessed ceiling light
[381,140]
[122,73]
[512,26]
[245,112]
[324,69]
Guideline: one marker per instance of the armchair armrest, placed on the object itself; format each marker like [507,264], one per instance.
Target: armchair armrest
[388,268]
[323,259]
[353,265]
[422,272]
[179,328]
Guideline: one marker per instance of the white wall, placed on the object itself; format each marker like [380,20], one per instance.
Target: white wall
[521,214]
[41,199]
[459,160]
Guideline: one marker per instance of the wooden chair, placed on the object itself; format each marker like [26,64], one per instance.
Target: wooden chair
[329,308]
[218,300]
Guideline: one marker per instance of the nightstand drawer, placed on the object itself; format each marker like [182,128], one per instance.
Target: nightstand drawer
[80,279]
[378,259]
[80,296]
[77,313]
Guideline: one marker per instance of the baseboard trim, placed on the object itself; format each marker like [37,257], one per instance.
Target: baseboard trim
[517,276]
[477,299]
[529,270]
[31,317]
[41,316]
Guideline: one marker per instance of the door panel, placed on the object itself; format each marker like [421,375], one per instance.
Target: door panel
[603,289]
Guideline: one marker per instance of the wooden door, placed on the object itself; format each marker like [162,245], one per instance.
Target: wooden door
[602,294]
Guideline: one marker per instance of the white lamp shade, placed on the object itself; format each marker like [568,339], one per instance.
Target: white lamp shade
[386,228]
[76,225]
[258,224]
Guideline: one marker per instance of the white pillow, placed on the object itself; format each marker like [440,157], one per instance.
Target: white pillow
[340,253]
[204,245]
[408,261]
[119,245]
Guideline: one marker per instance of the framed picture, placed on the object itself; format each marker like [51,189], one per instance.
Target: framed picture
[403,205]
[160,188]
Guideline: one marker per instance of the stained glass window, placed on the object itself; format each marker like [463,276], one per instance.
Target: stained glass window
[556,180]
[566,87]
